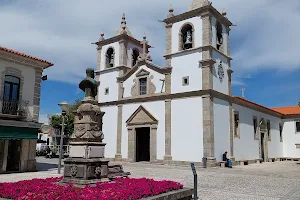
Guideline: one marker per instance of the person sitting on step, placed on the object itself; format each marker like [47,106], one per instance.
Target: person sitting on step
[227,161]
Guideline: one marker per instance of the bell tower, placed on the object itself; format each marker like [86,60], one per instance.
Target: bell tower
[198,51]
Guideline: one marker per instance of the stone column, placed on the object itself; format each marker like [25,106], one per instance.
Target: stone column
[123,53]
[168,132]
[131,144]
[2,142]
[37,95]
[99,55]
[25,150]
[206,29]
[153,145]
[118,155]
[168,44]
[4,163]
[32,156]
[231,120]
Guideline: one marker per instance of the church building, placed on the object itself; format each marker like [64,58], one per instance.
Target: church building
[183,111]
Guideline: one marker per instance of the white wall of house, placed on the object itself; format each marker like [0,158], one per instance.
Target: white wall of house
[110,120]
[108,80]
[116,47]
[221,128]
[156,81]
[157,109]
[186,65]
[218,85]
[187,129]
[290,138]
[245,147]
[176,28]
[29,81]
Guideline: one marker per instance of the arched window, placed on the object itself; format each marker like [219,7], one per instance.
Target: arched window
[110,58]
[135,55]
[219,36]
[186,37]
[11,94]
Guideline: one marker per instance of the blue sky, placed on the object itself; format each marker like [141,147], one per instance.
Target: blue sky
[265,44]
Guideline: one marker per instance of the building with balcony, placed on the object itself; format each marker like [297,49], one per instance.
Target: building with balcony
[20,86]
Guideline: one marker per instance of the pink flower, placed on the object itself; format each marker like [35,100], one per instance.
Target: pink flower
[121,188]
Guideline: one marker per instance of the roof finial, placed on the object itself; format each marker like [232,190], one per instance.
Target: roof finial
[243,92]
[144,43]
[171,10]
[224,13]
[102,36]
[123,29]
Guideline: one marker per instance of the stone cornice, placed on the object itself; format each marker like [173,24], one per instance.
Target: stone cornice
[205,10]
[207,63]
[122,37]
[197,93]
[150,65]
[117,68]
[20,124]
[20,60]
[203,48]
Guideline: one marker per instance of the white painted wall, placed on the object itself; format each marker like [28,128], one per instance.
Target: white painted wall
[156,81]
[187,129]
[186,64]
[176,28]
[29,81]
[109,129]
[220,86]
[290,138]
[221,128]
[116,47]
[108,80]
[246,148]
[130,48]
[157,109]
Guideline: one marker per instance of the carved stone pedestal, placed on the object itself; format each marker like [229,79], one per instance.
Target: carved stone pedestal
[86,163]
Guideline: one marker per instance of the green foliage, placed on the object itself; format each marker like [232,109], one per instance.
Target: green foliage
[56,120]
[299,103]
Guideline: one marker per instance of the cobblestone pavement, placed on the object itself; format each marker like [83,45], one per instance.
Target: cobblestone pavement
[267,181]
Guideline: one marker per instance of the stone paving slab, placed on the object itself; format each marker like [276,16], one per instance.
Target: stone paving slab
[268,181]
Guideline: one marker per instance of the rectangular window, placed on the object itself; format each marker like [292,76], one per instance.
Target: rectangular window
[143,86]
[236,124]
[185,81]
[297,127]
[269,129]
[280,132]
[255,124]
[106,91]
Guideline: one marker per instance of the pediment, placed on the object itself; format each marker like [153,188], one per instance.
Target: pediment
[142,72]
[141,116]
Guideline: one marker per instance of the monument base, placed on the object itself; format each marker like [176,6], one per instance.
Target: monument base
[81,171]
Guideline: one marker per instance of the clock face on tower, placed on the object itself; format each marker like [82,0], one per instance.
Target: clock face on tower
[221,72]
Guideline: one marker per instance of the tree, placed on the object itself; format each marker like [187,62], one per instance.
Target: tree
[56,120]
[299,103]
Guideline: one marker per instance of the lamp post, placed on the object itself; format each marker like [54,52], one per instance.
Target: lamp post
[64,108]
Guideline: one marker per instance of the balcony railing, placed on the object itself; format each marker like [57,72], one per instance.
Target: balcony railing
[15,109]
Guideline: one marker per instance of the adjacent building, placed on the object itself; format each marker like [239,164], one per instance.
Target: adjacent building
[20,87]
[184,111]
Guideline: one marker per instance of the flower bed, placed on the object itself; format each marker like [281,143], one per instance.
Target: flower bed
[121,188]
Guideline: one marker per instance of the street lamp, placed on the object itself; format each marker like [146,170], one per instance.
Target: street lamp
[64,108]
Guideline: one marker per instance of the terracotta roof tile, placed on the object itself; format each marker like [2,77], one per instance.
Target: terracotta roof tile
[288,110]
[25,55]
[243,99]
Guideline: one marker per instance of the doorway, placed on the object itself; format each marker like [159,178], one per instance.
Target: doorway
[143,144]
[13,156]
[263,146]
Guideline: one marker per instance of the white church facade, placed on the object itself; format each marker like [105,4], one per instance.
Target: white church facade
[184,111]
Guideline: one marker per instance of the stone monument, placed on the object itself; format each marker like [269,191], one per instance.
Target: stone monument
[86,163]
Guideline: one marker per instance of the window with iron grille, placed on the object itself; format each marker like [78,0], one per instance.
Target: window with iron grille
[143,86]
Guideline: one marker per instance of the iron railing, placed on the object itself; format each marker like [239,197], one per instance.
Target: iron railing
[15,108]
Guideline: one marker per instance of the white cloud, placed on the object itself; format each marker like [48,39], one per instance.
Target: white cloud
[62,31]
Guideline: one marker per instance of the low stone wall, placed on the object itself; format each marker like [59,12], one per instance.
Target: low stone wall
[183,194]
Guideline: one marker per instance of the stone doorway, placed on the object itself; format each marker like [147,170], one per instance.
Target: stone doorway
[13,155]
[263,144]
[142,136]
[142,144]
